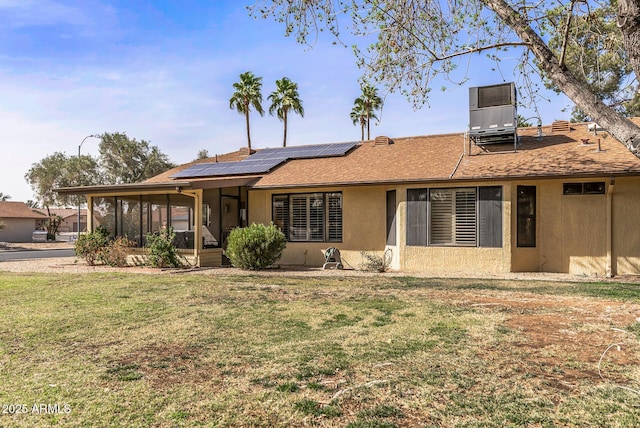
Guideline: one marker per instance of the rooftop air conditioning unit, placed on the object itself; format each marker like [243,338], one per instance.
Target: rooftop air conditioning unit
[492,113]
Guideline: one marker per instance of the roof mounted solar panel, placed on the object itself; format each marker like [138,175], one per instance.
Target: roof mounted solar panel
[229,168]
[265,160]
[305,152]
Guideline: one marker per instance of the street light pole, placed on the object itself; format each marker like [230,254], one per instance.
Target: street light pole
[79,204]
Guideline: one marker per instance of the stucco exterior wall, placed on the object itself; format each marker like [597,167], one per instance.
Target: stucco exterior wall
[363,224]
[17,229]
[625,230]
[571,230]
[586,234]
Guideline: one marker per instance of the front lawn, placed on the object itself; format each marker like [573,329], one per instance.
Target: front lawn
[141,350]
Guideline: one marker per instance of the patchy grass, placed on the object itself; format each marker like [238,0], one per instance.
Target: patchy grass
[253,350]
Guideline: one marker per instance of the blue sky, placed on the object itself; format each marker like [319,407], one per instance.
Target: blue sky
[163,71]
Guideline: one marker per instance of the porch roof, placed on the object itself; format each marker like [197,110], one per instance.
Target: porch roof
[154,187]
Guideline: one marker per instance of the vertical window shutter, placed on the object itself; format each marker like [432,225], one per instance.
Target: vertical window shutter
[490,216]
[417,217]
[299,218]
[442,217]
[281,213]
[334,216]
[316,217]
[465,218]
[391,217]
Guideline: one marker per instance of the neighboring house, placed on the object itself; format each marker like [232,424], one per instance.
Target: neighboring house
[69,218]
[438,203]
[20,221]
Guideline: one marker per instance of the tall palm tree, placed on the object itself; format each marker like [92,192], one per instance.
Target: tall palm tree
[359,116]
[283,99]
[4,197]
[247,94]
[368,102]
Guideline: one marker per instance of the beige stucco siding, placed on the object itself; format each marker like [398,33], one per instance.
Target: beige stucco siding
[363,224]
[18,229]
[571,230]
[625,229]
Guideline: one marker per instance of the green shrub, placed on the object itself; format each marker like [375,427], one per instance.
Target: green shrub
[162,252]
[115,254]
[255,247]
[88,246]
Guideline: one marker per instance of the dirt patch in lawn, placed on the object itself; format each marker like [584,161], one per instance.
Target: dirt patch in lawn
[569,339]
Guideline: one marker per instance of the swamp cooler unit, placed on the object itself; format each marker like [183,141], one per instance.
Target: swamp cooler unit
[492,114]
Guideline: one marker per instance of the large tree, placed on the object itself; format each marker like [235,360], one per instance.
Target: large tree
[60,170]
[410,42]
[284,99]
[248,93]
[121,160]
[126,160]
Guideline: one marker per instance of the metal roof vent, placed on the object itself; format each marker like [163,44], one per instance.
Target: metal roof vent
[560,126]
[382,141]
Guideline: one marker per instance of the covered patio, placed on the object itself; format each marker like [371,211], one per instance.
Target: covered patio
[202,213]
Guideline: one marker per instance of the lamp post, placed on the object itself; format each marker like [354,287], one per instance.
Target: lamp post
[79,147]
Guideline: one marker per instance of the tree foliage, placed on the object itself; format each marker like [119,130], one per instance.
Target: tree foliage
[126,160]
[408,43]
[121,160]
[248,93]
[284,99]
[4,197]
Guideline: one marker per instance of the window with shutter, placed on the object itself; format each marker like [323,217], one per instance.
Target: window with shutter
[334,215]
[309,217]
[465,217]
[459,216]
[281,213]
[442,221]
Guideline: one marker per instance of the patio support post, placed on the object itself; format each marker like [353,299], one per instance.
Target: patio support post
[89,214]
[197,221]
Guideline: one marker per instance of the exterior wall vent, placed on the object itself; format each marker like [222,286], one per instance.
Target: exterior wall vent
[560,126]
[492,114]
[383,141]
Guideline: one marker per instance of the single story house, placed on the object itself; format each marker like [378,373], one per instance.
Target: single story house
[69,219]
[20,221]
[558,198]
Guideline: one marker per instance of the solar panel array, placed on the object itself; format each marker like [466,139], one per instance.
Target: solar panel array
[265,160]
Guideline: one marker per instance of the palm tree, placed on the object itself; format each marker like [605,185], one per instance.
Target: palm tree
[283,99]
[248,93]
[4,197]
[367,103]
[359,116]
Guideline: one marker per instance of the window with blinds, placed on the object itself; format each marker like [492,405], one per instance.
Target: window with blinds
[470,217]
[309,217]
[453,217]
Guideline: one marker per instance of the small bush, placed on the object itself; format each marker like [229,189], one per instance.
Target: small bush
[88,246]
[376,263]
[255,247]
[115,254]
[162,252]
